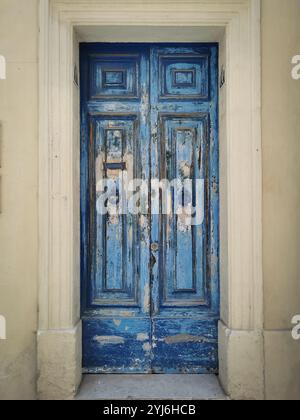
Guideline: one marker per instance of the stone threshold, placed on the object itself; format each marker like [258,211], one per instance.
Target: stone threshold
[150,387]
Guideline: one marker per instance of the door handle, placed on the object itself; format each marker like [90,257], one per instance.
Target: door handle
[154,247]
[115,166]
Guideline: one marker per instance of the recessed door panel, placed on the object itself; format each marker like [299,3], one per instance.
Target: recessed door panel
[117,259]
[183,76]
[184,145]
[114,76]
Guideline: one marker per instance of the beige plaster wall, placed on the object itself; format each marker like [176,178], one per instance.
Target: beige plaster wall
[18,220]
[281,211]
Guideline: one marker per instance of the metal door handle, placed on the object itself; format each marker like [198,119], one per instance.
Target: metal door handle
[115,166]
[154,247]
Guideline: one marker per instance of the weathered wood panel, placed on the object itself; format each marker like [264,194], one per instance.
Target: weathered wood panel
[150,282]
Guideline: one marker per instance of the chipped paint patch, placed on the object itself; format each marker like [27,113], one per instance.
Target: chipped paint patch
[142,337]
[185,170]
[113,219]
[147,297]
[144,104]
[143,221]
[106,340]
[126,314]
[185,338]
[147,347]
[184,221]
[117,322]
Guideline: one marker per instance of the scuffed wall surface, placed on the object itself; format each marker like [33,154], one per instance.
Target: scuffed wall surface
[281,170]
[19,219]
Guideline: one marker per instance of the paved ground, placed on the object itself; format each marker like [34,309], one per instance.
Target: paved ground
[153,387]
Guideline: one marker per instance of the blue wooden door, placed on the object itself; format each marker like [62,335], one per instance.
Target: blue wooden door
[150,278]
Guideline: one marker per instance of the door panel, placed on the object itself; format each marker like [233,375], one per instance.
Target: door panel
[115,246]
[150,281]
[116,261]
[184,345]
[117,344]
[185,279]
[183,146]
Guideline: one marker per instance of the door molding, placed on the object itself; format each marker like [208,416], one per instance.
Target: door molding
[241,326]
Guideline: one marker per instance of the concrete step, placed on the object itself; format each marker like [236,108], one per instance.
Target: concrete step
[151,387]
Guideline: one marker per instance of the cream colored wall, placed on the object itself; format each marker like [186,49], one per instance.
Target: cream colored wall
[18,221]
[281,183]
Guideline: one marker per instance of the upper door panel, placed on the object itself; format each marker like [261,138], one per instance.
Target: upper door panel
[114,76]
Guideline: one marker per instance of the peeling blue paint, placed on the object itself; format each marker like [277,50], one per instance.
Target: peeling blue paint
[150,284]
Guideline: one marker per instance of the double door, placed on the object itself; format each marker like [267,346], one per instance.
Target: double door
[150,273]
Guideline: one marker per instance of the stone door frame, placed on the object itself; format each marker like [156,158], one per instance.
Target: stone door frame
[62,24]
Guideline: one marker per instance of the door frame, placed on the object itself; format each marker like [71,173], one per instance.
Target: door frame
[241,352]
